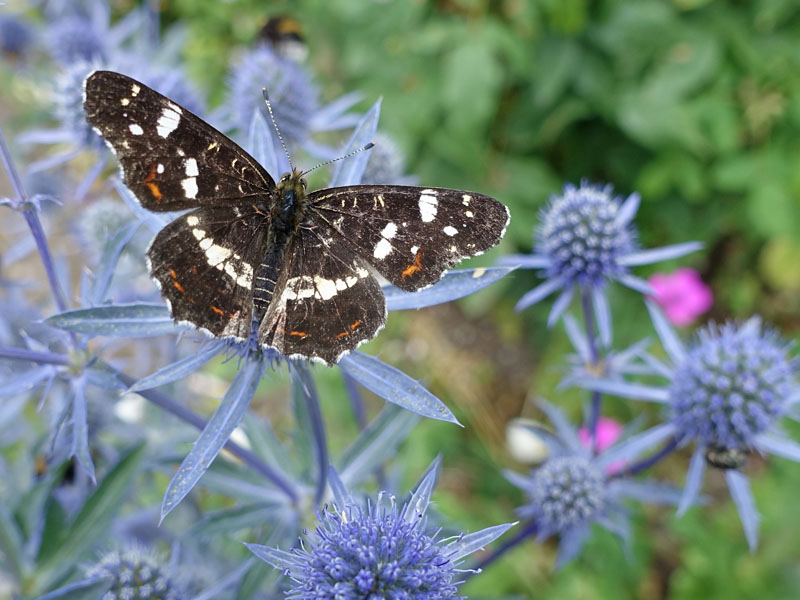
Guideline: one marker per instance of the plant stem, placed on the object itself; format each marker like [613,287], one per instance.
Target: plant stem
[591,337]
[648,462]
[42,358]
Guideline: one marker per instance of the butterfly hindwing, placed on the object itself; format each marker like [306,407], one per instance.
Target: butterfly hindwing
[171,159]
[326,302]
[204,263]
[411,235]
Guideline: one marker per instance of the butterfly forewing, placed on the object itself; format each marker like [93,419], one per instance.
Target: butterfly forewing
[171,159]
[326,303]
[204,263]
[411,235]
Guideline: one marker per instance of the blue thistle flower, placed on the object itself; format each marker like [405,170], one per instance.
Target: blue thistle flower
[377,551]
[75,39]
[136,575]
[586,238]
[294,98]
[16,35]
[292,93]
[575,488]
[726,393]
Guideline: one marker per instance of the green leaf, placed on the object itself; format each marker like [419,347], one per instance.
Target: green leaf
[91,523]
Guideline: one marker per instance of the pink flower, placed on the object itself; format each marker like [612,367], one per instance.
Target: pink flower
[608,432]
[682,295]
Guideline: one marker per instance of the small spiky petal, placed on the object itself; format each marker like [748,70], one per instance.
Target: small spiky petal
[582,236]
[291,92]
[373,553]
[565,492]
[135,576]
[732,386]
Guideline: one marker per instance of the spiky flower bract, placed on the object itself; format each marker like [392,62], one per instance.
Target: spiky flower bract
[586,238]
[574,488]
[726,393]
[376,551]
[135,575]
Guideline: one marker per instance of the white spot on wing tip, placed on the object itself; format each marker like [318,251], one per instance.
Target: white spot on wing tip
[135,129]
[168,121]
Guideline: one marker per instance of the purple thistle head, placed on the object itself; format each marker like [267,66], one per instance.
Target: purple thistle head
[292,94]
[136,575]
[16,35]
[583,236]
[378,551]
[732,385]
[564,493]
[74,39]
[373,553]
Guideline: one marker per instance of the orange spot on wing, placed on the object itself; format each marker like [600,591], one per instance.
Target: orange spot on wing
[300,334]
[413,268]
[341,335]
[219,311]
[354,325]
[178,287]
[150,182]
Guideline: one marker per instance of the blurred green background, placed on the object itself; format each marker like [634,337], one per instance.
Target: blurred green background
[692,103]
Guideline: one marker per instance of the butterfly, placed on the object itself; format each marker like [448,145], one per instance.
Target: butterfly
[255,256]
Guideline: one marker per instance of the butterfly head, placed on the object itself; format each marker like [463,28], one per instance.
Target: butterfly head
[291,190]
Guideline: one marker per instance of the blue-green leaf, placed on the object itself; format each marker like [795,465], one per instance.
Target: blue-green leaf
[395,386]
[454,285]
[109,259]
[124,320]
[179,369]
[351,170]
[216,432]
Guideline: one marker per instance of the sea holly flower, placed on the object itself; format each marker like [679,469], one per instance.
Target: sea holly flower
[293,95]
[575,488]
[726,392]
[586,238]
[682,295]
[134,574]
[377,550]
[16,35]
[386,164]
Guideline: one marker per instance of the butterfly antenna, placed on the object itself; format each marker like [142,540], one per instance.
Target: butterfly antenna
[348,155]
[275,125]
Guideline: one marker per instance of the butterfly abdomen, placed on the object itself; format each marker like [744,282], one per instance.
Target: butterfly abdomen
[285,219]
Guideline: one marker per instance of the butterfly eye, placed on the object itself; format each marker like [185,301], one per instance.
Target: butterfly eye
[303,183]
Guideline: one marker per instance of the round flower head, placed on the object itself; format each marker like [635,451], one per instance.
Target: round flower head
[726,392]
[585,238]
[75,39]
[565,492]
[291,91]
[16,35]
[135,575]
[576,487]
[377,551]
[731,386]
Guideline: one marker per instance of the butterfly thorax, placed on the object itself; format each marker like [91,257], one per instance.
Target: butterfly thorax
[288,210]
